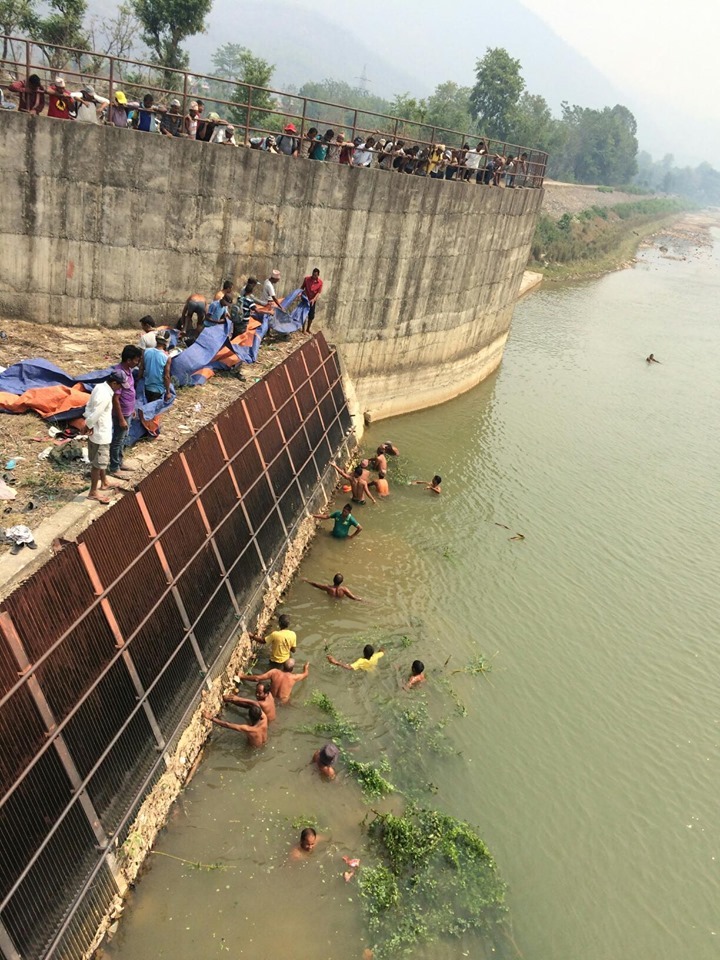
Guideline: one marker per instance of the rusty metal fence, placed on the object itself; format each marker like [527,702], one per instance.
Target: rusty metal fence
[105,650]
[256,110]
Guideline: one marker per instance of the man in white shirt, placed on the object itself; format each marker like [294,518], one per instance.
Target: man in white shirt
[268,292]
[147,340]
[89,105]
[99,422]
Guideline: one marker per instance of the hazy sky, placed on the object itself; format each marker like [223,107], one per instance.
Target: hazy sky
[664,53]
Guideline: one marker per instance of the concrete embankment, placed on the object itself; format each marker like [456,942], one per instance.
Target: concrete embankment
[103,225]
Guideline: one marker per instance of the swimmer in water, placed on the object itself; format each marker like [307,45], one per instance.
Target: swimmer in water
[390,449]
[651,359]
[433,485]
[379,461]
[308,840]
[417,674]
[358,484]
[367,662]
[324,760]
[382,487]
[336,589]
[264,699]
[256,731]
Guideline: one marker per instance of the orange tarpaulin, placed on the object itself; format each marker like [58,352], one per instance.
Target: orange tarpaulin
[47,401]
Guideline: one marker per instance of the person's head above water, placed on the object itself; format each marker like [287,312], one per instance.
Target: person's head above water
[358,471]
[255,714]
[308,839]
[380,450]
[346,510]
[417,668]
[328,755]
[289,665]
[381,475]
[284,621]
[365,463]
[261,691]
[368,650]
[437,480]
[338,579]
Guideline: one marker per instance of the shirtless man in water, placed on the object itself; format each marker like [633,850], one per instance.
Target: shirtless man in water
[358,484]
[308,839]
[433,485]
[382,487]
[379,461]
[264,699]
[281,681]
[651,359]
[335,589]
[256,731]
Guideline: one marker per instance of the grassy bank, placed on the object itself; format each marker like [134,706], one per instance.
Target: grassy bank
[598,239]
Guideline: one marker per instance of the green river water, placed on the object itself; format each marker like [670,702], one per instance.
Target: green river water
[588,756]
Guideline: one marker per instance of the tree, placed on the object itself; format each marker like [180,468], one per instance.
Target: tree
[235,62]
[63,27]
[496,93]
[601,145]
[449,107]
[16,16]
[117,37]
[165,24]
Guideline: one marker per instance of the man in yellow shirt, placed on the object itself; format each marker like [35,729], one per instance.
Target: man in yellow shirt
[367,662]
[282,642]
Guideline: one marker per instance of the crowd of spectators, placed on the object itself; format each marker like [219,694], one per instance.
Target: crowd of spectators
[437,160]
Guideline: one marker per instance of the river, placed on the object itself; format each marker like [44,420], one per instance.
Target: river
[588,755]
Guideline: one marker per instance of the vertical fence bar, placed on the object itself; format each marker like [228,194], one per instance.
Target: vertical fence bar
[111,82]
[247,113]
[92,573]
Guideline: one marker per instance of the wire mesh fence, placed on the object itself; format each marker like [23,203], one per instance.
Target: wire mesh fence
[105,650]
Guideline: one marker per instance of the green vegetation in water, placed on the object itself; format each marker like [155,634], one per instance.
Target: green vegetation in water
[436,878]
[414,718]
[478,665]
[336,726]
[370,777]
[196,864]
[460,707]
[300,822]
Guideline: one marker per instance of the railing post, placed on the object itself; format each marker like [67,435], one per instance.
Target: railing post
[247,114]
[185,95]
[111,82]
[354,129]
[27,59]
[302,125]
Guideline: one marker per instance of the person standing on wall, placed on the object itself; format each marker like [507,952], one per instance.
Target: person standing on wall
[311,290]
[101,406]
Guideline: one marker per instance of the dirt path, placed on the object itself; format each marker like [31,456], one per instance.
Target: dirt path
[563,198]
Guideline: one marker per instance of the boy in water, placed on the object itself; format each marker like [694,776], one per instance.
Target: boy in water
[417,674]
[433,485]
[335,590]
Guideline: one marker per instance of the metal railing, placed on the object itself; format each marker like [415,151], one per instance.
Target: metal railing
[105,650]
[258,111]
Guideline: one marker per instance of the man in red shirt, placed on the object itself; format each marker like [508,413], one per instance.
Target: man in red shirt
[31,94]
[311,290]
[59,101]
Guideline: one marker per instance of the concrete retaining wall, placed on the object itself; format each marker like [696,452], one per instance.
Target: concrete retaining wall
[102,225]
